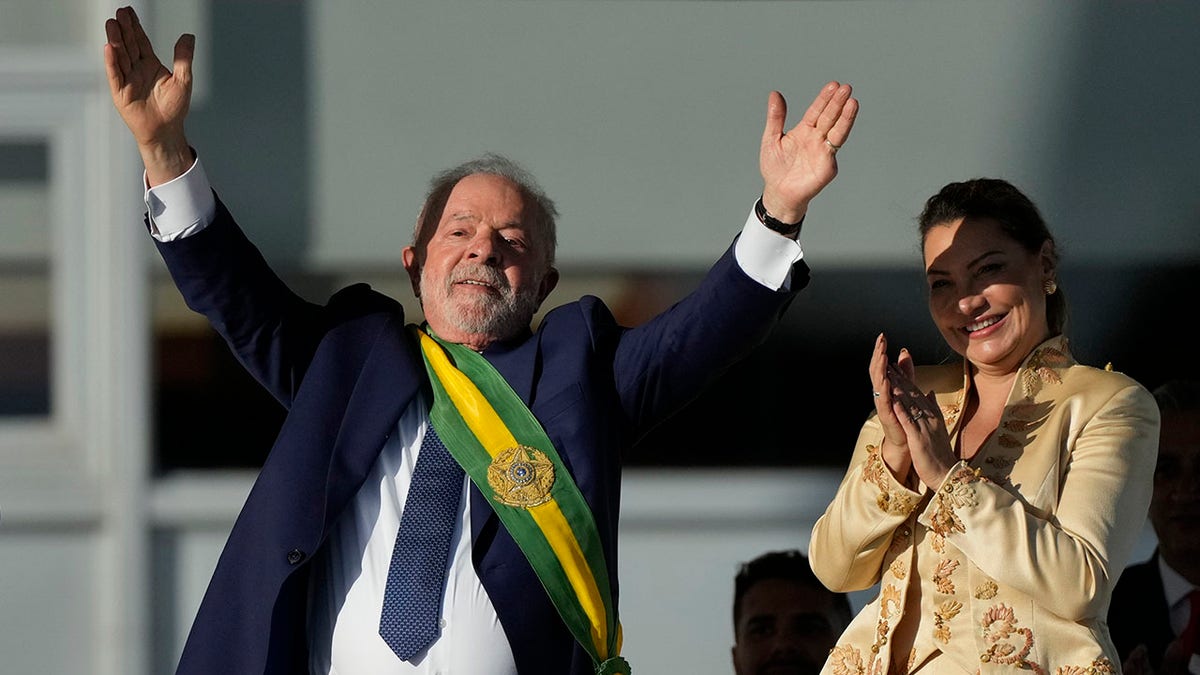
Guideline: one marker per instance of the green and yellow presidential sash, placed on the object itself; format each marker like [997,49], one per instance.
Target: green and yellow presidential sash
[500,444]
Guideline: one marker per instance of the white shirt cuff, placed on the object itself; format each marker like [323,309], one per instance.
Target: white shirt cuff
[766,256]
[180,207]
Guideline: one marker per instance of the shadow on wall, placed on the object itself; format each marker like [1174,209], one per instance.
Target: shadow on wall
[797,401]
[803,397]
[800,400]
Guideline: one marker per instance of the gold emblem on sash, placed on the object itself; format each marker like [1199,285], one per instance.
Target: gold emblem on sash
[521,476]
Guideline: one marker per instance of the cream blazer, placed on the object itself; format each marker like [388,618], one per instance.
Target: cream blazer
[1010,565]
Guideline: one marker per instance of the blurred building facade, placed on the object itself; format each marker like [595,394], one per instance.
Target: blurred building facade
[129,437]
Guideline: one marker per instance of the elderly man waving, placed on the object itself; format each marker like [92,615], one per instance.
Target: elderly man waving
[443,497]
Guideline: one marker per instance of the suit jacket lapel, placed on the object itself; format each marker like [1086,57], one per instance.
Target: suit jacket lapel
[388,382]
[515,361]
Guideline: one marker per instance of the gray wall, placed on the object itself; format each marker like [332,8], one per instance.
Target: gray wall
[325,119]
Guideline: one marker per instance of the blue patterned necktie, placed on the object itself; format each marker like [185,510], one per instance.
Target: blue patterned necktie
[417,575]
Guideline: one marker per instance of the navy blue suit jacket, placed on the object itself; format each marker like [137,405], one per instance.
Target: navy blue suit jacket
[1138,613]
[346,371]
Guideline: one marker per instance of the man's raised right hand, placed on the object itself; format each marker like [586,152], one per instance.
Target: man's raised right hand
[152,100]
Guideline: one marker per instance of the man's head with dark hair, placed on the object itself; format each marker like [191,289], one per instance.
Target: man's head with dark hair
[1175,506]
[784,619]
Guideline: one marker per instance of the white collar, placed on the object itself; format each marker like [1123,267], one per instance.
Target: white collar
[1175,587]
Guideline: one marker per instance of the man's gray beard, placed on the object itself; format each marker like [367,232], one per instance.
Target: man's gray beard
[499,317]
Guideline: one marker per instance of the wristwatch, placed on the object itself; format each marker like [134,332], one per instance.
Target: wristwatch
[786,229]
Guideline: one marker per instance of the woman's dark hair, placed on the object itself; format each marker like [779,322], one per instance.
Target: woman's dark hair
[1018,217]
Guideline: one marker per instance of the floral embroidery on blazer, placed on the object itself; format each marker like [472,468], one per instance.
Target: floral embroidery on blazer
[1008,566]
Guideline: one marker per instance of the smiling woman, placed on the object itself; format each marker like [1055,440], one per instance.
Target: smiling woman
[1004,492]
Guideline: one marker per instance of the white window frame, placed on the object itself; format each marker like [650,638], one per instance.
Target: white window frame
[82,471]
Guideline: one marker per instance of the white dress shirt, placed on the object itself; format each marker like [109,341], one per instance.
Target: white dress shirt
[1176,590]
[350,574]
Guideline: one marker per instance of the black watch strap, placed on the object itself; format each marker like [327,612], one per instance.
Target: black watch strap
[786,229]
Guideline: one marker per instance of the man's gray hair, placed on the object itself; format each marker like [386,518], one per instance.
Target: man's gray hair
[541,208]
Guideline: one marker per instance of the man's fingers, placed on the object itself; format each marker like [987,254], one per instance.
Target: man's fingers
[128,34]
[143,41]
[116,79]
[833,109]
[818,104]
[841,128]
[776,114]
[112,31]
[116,43]
[185,50]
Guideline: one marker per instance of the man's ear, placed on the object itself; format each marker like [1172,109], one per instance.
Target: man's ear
[549,281]
[409,256]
